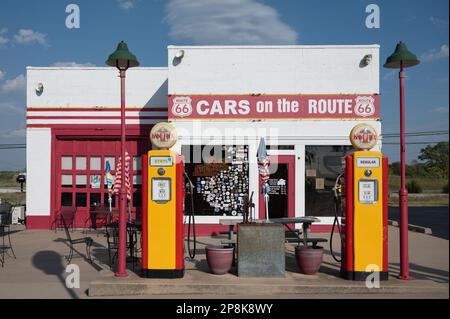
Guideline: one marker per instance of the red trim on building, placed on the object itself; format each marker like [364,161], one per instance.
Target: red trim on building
[38,222]
[91,117]
[90,109]
[321,228]
[207,229]
[385,183]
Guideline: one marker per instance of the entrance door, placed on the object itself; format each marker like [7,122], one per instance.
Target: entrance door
[282,188]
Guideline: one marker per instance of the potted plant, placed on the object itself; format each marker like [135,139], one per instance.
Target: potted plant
[219,258]
[308,258]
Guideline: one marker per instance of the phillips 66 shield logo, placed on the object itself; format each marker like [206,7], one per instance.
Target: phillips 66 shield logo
[182,106]
[364,106]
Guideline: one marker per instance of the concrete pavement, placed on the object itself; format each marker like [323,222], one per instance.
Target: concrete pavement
[39,272]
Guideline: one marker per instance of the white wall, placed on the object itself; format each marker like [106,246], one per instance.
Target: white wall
[38,171]
[96,87]
[273,69]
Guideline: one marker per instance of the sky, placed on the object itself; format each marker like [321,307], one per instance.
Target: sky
[34,33]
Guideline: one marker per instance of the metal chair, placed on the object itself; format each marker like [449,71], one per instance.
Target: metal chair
[88,241]
[5,230]
[112,236]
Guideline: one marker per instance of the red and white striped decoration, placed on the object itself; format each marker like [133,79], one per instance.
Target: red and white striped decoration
[263,169]
[118,177]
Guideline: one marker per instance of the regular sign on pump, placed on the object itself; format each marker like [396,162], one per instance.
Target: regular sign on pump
[273,107]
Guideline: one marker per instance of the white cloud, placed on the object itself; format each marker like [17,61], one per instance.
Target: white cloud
[389,75]
[2,74]
[20,132]
[441,110]
[3,38]
[19,83]
[8,107]
[72,64]
[28,36]
[227,22]
[439,22]
[126,4]
[436,54]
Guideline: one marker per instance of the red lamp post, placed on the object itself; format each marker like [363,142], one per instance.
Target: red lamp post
[122,59]
[402,58]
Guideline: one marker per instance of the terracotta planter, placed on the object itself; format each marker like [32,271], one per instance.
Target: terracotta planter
[309,259]
[219,259]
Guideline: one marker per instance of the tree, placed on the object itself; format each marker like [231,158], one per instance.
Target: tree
[436,159]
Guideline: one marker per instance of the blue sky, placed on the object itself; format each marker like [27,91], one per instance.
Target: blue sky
[33,33]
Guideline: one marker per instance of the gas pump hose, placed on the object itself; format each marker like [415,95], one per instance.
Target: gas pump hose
[191,221]
[336,222]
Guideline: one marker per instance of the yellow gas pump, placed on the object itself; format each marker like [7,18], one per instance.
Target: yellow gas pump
[162,217]
[365,233]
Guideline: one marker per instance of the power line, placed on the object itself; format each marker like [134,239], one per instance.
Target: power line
[394,143]
[428,133]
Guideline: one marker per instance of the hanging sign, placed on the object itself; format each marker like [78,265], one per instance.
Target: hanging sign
[163,135]
[363,137]
[329,106]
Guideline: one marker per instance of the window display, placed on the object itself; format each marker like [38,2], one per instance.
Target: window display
[220,179]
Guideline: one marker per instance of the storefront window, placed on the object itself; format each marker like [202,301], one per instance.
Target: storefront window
[322,166]
[220,177]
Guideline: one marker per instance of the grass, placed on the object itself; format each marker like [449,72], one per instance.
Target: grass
[429,185]
[13,198]
[422,201]
[8,179]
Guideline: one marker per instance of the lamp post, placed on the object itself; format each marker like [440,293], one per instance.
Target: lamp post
[402,58]
[122,59]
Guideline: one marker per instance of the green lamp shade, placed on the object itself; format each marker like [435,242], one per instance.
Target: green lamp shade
[122,58]
[401,56]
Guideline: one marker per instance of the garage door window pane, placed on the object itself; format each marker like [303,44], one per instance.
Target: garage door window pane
[96,181]
[137,163]
[80,181]
[66,180]
[96,164]
[137,179]
[66,199]
[94,199]
[80,163]
[66,162]
[106,200]
[80,199]
[112,162]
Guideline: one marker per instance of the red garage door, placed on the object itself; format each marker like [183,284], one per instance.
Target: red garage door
[78,179]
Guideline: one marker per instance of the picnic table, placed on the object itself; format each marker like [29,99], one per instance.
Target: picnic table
[306,222]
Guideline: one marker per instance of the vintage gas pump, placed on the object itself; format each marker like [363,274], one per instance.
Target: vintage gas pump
[163,200]
[365,230]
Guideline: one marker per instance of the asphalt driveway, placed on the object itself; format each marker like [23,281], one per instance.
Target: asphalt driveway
[435,218]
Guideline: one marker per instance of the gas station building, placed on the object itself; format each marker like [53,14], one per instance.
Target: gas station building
[304,100]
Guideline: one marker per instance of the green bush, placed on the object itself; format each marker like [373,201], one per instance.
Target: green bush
[445,188]
[414,187]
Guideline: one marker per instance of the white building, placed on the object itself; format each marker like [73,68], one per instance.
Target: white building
[304,100]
